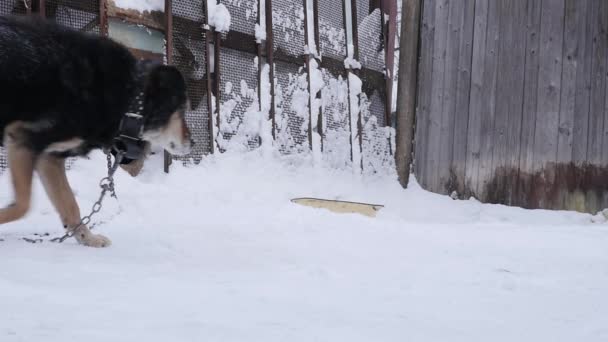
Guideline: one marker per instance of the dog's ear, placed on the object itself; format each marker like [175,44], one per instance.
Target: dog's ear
[166,83]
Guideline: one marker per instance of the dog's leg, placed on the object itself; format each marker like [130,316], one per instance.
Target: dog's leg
[21,164]
[52,173]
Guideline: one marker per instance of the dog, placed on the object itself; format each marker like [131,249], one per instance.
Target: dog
[64,93]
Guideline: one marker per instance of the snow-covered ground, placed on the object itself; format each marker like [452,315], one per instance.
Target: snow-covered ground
[218,253]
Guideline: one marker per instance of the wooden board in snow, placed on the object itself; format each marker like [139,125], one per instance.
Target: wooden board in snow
[340,206]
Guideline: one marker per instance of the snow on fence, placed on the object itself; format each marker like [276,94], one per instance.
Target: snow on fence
[512,102]
[326,94]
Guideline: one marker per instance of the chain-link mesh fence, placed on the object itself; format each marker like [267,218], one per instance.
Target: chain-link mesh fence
[15,7]
[189,56]
[239,90]
[291,87]
[334,95]
[82,15]
[376,137]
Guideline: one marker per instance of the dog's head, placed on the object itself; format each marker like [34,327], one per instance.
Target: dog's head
[165,105]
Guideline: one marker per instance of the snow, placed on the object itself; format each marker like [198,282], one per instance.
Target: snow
[351,63]
[141,5]
[219,16]
[218,253]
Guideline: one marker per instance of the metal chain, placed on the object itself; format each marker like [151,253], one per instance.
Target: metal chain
[107,185]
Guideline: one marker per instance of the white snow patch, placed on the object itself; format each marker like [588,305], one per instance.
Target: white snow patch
[219,16]
[141,5]
[351,63]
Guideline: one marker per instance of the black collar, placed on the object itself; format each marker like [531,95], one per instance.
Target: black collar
[129,140]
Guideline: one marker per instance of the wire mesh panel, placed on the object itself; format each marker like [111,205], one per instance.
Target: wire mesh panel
[332,37]
[239,106]
[189,55]
[239,109]
[376,136]
[334,95]
[81,15]
[288,26]
[243,13]
[291,108]
[13,7]
[291,85]
[369,27]
[336,137]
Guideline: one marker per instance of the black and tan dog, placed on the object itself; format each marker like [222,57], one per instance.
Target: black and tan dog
[64,93]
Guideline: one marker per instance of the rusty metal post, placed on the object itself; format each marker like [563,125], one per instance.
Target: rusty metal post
[208,42]
[307,61]
[217,37]
[42,11]
[355,38]
[389,49]
[103,18]
[270,60]
[318,44]
[168,159]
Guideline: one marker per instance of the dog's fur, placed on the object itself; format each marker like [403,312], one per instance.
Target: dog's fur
[64,93]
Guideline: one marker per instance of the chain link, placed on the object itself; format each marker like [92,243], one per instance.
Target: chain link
[107,185]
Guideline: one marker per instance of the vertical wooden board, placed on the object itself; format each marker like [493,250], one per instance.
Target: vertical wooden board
[583,83]
[515,53]
[602,106]
[598,69]
[574,16]
[475,98]
[525,190]
[437,94]
[602,102]
[604,11]
[488,98]
[549,87]
[446,136]
[425,73]
[463,91]
[496,189]
[597,100]
[572,19]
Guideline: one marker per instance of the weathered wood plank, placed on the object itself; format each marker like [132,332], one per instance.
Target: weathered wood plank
[576,198]
[488,98]
[437,94]
[512,87]
[496,190]
[598,96]
[604,15]
[528,123]
[425,73]
[446,136]
[549,87]
[583,84]
[574,18]
[463,91]
[603,46]
[475,99]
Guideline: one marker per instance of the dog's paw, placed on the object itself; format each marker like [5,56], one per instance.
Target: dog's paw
[92,240]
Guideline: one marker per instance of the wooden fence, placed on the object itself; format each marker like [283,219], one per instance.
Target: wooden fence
[512,102]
